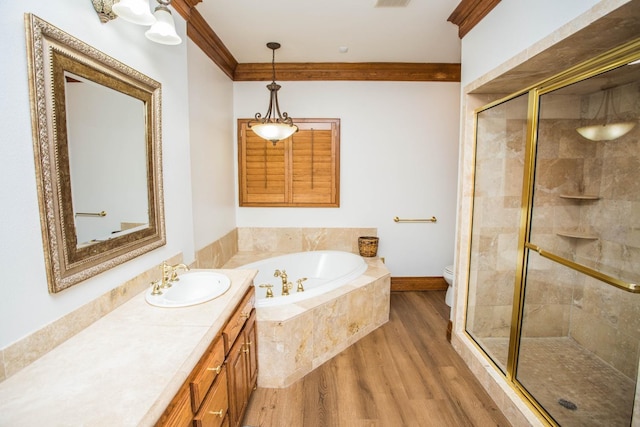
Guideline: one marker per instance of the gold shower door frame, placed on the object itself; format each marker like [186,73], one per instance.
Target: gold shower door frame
[613,59]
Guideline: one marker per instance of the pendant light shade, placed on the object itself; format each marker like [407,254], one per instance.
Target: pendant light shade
[163,31]
[135,11]
[608,130]
[274,132]
[274,126]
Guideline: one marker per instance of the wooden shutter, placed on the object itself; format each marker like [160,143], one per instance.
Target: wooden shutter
[302,170]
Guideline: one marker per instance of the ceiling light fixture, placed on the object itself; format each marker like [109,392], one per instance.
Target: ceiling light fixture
[606,131]
[280,126]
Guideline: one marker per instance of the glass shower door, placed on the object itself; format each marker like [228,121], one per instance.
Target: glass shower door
[499,163]
[579,342]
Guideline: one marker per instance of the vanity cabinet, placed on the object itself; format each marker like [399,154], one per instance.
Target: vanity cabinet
[217,391]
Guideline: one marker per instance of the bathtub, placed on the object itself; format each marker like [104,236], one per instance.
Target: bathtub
[324,271]
[346,297]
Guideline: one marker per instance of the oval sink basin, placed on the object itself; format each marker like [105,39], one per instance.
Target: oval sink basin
[194,287]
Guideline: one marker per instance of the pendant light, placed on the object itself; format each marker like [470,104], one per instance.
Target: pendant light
[274,126]
[163,31]
[607,131]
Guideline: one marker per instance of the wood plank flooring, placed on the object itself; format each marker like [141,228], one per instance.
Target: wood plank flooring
[402,374]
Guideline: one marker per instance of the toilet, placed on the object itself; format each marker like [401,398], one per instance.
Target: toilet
[448,277]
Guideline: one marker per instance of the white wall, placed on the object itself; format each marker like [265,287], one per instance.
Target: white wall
[212,141]
[399,148]
[25,303]
[514,25]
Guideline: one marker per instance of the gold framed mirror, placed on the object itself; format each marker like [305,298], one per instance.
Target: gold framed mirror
[96,126]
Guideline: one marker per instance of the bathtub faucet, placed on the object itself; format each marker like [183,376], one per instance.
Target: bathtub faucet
[299,282]
[286,285]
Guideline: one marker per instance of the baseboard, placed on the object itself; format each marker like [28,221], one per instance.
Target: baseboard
[418,284]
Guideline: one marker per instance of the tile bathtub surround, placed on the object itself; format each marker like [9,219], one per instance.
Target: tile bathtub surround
[216,254]
[124,369]
[25,351]
[301,239]
[294,339]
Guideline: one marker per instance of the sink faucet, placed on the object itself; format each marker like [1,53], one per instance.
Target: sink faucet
[170,273]
[286,285]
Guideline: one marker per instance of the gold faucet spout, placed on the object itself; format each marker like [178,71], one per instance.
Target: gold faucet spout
[286,285]
[174,271]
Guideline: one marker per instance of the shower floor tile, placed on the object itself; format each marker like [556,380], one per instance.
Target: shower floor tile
[552,369]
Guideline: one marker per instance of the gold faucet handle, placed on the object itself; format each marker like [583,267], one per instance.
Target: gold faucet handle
[156,288]
[269,289]
[299,282]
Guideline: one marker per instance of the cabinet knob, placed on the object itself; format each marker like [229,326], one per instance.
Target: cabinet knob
[219,413]
[217,369]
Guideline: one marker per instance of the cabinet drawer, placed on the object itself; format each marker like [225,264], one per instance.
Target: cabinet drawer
[238,319]
[209,367]
[215,406]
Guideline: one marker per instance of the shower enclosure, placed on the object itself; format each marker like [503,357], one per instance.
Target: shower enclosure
[554,262]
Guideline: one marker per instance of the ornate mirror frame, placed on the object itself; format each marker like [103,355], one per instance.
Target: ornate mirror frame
[51,54]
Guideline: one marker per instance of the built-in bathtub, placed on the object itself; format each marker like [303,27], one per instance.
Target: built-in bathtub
[319,272]
[345,298]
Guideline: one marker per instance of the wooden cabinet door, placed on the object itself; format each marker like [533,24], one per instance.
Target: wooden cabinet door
[251,342]
[238,380]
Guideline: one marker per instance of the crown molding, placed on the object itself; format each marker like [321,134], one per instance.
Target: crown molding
[199,31]
[372,71]
[469,12]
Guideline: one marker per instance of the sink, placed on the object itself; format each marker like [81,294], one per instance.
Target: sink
[193,287]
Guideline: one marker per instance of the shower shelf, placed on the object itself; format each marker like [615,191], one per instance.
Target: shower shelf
[578,234]
[579,196]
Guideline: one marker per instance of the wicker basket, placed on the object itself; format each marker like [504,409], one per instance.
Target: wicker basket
[368,246]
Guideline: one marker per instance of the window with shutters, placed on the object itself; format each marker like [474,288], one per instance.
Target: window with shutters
[302,170]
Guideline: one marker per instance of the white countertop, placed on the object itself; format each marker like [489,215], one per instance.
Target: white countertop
[124,369]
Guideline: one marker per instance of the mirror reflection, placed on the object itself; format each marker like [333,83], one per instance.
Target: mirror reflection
[107,160]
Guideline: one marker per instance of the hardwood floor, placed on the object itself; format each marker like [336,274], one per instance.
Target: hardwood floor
[402,374]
